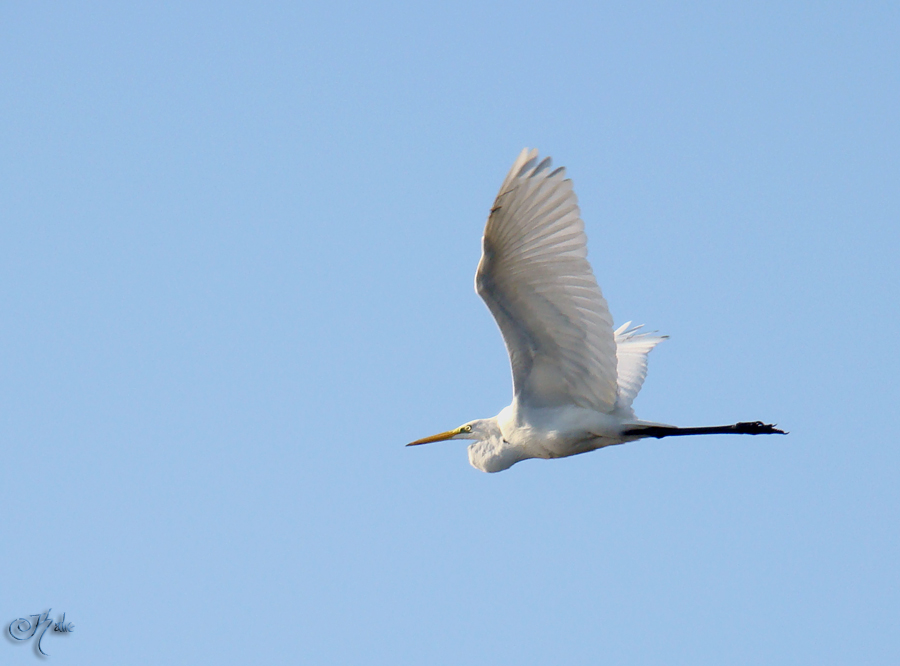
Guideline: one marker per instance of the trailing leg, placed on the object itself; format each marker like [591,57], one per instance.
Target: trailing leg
[743,428]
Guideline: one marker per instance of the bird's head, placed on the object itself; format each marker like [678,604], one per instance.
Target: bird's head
[490,452]
[470,430]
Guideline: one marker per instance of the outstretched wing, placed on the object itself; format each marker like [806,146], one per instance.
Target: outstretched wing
[537,282]
[631,353]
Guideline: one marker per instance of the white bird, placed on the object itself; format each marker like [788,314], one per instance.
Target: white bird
[574,377]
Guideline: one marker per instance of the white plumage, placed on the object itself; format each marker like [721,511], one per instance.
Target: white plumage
[631,355]
[574,378]
[537,282]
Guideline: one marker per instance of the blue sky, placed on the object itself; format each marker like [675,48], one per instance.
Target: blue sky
[238,245]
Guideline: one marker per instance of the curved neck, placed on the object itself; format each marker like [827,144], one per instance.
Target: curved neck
[495,454]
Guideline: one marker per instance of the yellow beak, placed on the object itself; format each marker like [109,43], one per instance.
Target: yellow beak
[436,438]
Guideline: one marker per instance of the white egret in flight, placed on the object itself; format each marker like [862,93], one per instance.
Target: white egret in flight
[574,377]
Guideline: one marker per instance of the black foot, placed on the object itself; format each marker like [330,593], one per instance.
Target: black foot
[756,428]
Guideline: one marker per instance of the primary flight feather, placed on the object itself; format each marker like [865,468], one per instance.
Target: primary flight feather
[574,377]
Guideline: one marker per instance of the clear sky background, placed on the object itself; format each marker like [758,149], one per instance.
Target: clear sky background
[237,247]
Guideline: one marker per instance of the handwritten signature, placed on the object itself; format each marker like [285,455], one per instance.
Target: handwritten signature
[23,629]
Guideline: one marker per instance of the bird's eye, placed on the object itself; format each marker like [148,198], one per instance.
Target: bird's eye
[467,428]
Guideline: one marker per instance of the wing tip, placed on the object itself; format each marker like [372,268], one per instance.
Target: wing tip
[628,332]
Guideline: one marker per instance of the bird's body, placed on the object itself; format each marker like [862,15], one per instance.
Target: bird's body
[518,433]
[574,377]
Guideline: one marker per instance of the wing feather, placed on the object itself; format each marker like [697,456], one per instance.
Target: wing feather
[631,353]
[535,279]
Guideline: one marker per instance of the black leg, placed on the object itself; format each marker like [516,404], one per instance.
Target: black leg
[743,428]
